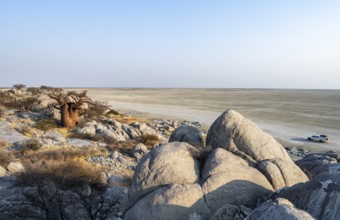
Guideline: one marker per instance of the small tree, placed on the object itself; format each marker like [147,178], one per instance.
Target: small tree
[19,86]
[69,104]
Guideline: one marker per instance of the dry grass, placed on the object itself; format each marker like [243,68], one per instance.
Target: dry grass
[127,119]
[64,167]
[85,136]
[64,174]
[123,146]
[31,144]
[150,139]
[6,157]
[46,124]
[25,130]
[62,154]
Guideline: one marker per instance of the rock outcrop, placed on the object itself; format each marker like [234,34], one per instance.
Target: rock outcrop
[278,209]
[225,175]
[245,166]
[188,134]
[239,135]
[315,164]
[320,197]
[175,201]
[171,163]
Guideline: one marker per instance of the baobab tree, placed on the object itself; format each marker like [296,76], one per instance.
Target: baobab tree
[70,104]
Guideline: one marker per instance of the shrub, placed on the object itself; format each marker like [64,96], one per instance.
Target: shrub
[46,124]
[5,158]
[96,110]
[31,144]
[123,146]
[34,90]
[25,104]
[19,86]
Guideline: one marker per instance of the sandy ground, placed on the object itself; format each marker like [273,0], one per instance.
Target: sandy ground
[288,115]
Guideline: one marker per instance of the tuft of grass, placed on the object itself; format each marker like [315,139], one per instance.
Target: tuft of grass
[150,139]
[31,144]
[46,124]
[123,146]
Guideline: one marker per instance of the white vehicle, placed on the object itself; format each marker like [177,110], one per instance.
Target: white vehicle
[318,138]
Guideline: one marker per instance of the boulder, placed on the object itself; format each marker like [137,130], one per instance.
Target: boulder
[9,134]
[320,197]
[281,173]
[132,132]
[278,209]
[15,167]
[235,133]
[239,135]
[315,164]
[75,142]
[176,201]
[139,151]
[88,128]
[112,132]
[167,164]
[225,175]
[188,134]
[54,137]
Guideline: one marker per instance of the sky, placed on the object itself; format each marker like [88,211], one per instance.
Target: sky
[171,43]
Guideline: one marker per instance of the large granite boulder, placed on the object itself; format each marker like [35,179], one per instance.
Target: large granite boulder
[239,135]
[278,209]
[176,201]
[228,179]
[168,164]
[233,132]
[188,134]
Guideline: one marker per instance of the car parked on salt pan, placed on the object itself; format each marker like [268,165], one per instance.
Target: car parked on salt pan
[318,138]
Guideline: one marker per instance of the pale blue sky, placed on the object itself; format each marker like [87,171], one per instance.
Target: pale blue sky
[230,44]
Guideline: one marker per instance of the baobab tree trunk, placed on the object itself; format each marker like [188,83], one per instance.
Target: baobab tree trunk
[69,104]
[69,116]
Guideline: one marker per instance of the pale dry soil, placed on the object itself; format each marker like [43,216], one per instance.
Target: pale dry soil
[288,115]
